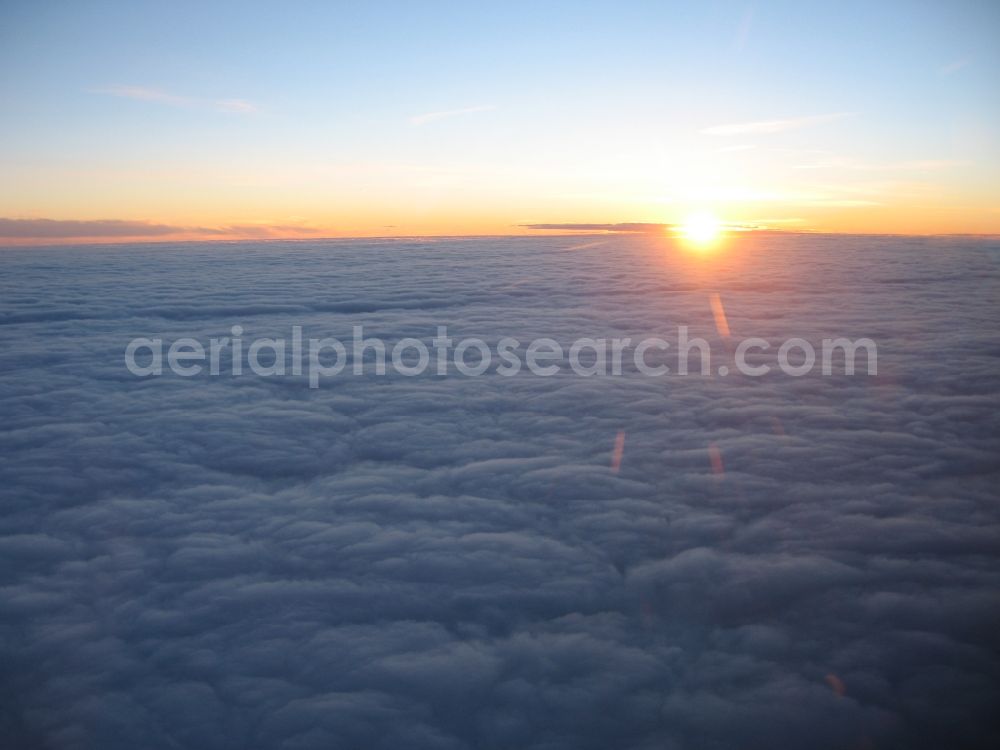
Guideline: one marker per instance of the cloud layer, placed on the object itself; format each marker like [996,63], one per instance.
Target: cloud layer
[449,562]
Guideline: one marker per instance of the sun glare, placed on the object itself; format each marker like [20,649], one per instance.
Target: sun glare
[701,229]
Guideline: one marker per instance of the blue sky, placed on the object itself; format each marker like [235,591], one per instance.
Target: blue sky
[256,112]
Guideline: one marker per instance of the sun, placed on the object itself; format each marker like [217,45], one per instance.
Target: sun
[701,229]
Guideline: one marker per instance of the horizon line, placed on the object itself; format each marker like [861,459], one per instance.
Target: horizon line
[105,242]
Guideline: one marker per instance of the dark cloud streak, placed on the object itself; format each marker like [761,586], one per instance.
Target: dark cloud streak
[624,227]
[33,229]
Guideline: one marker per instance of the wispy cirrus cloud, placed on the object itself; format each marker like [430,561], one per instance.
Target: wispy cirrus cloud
[954,66]
[765,127]
[145,94]
[149,94]
[239,106]
[427,117]
[915,165]
[733,149]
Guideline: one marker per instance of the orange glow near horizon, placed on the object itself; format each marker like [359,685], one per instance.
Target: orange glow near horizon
[302,201]
[701,233]
[467,209]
